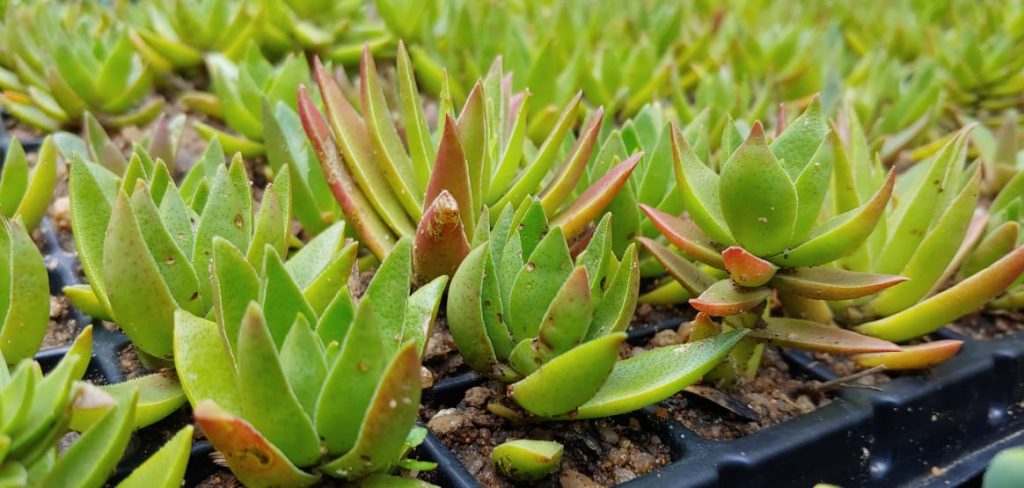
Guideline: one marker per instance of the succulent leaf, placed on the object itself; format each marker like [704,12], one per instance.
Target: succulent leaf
[527,460]
[821,283]
[726,298]
[657,374]
[920,356]
[560,385]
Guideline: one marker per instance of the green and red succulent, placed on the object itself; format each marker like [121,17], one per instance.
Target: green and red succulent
[290,387]
[523,311]
[390,188]
[37,411]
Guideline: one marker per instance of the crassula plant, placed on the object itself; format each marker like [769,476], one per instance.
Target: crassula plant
[37,409]
[24,293]
[390,188]
[25,192]
[289,391]
[146,245]
[522,311]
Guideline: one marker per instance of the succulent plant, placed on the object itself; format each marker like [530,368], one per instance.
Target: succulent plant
[335,31]
[289,390]
[621,54]
[24,294]
[522,311]
[146,245]
[41,406]
[238,93]
[756,221]
[175,35]
[25,192]
[1000,151]
[388,190]
[527,460]
[926,239]
[1000,236]
[69,58]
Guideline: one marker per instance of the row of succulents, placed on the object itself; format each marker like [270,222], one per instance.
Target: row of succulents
[525,207]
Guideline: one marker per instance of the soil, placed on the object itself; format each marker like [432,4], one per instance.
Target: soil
[130,364]
[990,324]
[220,479]
[647,315]
[442,359]
[62,328]
[602,452]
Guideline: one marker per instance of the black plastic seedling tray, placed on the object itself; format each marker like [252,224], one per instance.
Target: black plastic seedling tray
[938,429]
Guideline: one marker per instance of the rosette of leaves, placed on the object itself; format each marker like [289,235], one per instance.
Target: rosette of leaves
[238,91]
[36,413]
[24,293]
[621,54]
[522,311]
[146,244]
[176,35]
[756,221]
[926,238]
[334,30]
[25,191]
[288,390]
[70,58]
[390,189]
[984,72]
[899,102]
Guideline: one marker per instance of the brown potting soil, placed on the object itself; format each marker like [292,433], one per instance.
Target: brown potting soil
[990,325]
[62,328]
[130,364]
[602,452]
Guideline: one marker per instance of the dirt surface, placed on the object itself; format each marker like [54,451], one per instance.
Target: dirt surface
[990,325]
[130,363]
[603,452]
[648,315]
[220,479]
[442,359]
[62,328]
[774,396]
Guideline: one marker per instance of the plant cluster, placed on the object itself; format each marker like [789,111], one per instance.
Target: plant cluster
[530,168]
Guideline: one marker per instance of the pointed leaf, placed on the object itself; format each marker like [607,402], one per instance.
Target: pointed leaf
[812,336]
[561,385]
[251,457]
[204,363]
[920,356]
[726,298]
[831,283]
[589,205]
[692,279]
[745,268]
[686,236]
[657,374]
[166,465]
[441,242]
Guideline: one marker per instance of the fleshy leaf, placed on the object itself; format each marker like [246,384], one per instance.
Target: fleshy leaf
[655,375]
[686,236]
[441,242]
[919,356]
[204,363]
[812,336]
[561,385]
[955,302]
[745,268]
[831,283]
[589,204]
[537,283]
[251,457]
[759,202]
[167,465]
[841,235]
[389,417]
[527,460]
[692,279]
[726,298]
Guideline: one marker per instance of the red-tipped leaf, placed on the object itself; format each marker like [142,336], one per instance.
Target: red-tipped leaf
[593,201]
[685,235]
[725,298]
[689,276]
[441,242]
[812,336]
[832,283]
[920,356]
[745,268]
